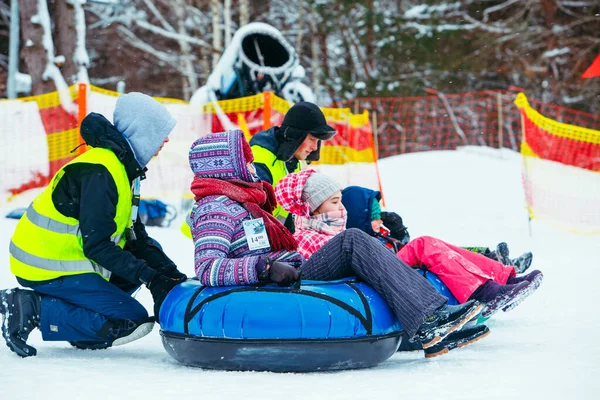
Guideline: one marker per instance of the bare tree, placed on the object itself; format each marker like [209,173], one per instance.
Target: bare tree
[244,12]
[38,48]
[70,40]
[216,25]
[300,27]
[227,20]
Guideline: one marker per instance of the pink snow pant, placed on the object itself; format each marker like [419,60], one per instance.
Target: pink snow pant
[462,271]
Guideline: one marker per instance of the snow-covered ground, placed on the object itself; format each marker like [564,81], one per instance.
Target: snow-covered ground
[544,349]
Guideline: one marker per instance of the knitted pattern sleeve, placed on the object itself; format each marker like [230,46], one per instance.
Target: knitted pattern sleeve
[218,235]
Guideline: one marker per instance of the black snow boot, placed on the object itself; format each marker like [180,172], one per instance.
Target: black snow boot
[458,339]
[21,315]
[502,253]
[446,320]
[522,263]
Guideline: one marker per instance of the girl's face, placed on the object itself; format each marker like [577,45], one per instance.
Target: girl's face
[334,203]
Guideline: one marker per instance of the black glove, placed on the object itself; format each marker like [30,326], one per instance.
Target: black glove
[160,286]
[175,274]
[279,272]
[393,222]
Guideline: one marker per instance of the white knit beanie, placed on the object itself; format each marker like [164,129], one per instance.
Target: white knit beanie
[317,189]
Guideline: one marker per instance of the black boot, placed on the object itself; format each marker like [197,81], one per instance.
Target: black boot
[21,315]
[502,253]
[523,262]
[446,320]
[458,339]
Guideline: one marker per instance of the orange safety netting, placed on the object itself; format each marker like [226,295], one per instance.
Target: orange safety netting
[556,141]
[445,122]
[62,134]
[561,171]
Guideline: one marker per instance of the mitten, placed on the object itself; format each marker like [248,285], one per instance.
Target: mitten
[279,272]
[394,223]
[160,286]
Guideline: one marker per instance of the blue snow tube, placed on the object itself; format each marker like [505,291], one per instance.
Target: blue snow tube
[318,326]
[439,286]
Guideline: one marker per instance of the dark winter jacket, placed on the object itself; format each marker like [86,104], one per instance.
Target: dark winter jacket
[88,193]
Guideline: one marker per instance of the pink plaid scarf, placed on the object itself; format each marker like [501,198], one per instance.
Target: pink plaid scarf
[330,223]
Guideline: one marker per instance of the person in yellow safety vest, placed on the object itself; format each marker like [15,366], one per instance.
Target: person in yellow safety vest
[282,150]
[81,246]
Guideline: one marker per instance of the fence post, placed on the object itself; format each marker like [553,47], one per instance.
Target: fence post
[82,103]
[500,122]
[267,100]
[375,136]
[526,179]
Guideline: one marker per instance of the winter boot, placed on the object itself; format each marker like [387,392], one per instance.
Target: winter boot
[496,296]
[125,331]
[118,332]
[523,262]
[81,345]
[502,253]
[458,339]
[21,315]
[446,320]
[535,277]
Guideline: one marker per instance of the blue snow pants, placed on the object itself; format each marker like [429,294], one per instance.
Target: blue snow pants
[77,307]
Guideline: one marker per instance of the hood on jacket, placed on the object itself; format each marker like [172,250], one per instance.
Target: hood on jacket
[97,131]
[144,122]
[223,155]
[288,193]
[358,202]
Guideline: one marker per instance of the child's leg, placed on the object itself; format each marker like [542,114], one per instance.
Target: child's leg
[353,252]
[497,272]
[457,272]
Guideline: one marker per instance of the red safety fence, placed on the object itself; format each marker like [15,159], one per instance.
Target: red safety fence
[444,122]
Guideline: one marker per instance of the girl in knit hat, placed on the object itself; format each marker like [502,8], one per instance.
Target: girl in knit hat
[468,275]
[238,242]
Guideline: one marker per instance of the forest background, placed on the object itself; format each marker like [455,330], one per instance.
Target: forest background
[350,49]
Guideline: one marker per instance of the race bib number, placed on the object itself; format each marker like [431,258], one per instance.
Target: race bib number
[256,234]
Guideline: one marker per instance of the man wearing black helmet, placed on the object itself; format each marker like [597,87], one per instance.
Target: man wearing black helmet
[280,150]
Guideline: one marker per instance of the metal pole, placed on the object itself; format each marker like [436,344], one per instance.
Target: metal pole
[13,50]
[500,122]
[375,136]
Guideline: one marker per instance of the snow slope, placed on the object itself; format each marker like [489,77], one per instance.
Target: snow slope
[544,349]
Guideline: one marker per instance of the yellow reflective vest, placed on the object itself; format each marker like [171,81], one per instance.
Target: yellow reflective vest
[47,245]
